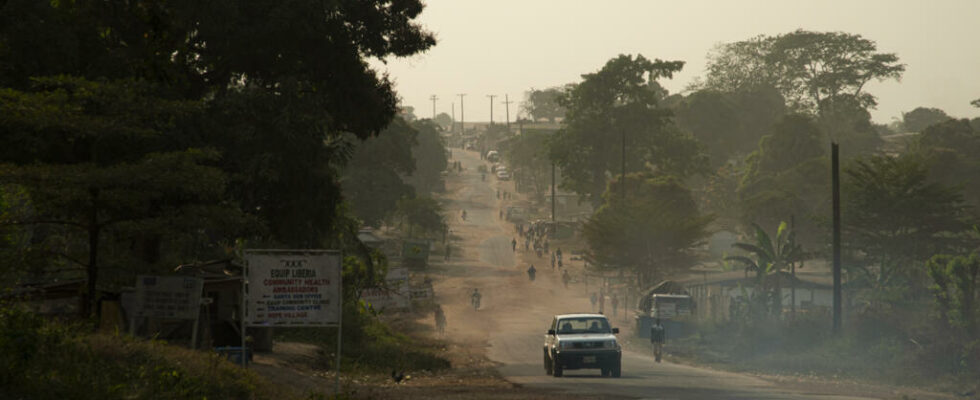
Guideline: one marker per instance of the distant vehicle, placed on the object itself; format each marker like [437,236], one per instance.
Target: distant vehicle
[581,341]
[503,175]
[493,156]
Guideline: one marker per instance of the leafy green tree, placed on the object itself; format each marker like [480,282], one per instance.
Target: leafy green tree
[786,176]
[543,104]
[620,102]
[895,219]
[445,121]
[652,233]
[280,81]
[98,163]
[955,287]
[813,67]
[429,153]
[846,122]
[809,68]
[372,181]
[768,257]
[740,66]
[421,216]
[729,123]
[921,118]
[949,151]
[527,156]
[269,85]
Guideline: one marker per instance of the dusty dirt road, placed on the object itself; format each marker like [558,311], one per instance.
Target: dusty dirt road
[515,312]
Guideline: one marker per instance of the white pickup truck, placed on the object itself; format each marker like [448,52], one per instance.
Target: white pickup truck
[579,341]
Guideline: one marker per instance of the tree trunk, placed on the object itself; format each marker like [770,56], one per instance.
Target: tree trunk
[91,304]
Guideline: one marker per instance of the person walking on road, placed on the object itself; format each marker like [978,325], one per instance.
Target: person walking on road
[602,301]
[475,299]
[440,317]
[565,278]
[531,272]
[658,337]
[552,261]
[449,249]
[615,304]
[513,244]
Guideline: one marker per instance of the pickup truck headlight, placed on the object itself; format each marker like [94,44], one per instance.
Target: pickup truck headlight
[609,344]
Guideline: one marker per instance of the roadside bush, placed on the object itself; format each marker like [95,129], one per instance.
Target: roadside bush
[369,345]
[41,359]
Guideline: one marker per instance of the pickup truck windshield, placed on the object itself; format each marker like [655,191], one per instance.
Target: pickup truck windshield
[583,325]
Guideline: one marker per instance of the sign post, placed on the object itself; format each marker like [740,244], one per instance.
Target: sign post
[292,288]
[168,297]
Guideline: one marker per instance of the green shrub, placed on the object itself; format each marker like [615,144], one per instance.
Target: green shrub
[41,359]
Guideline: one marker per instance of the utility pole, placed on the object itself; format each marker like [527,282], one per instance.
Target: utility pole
[835,183]
[507,109]
[553,195]
[433,98]
[491,96]
[622,179]
[453,126]
[462,119]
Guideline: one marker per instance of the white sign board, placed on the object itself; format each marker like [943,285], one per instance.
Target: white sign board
[395,296]
[176,297]
[292,287]
[665,310]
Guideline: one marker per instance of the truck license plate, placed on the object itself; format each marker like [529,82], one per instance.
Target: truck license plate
[588,360]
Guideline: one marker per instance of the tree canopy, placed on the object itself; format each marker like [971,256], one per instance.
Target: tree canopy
[652,233]
[244,103]
[809,68]
[543,104]
[620,102]
[921,118]
[897,219]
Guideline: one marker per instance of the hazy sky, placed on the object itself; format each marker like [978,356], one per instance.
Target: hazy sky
[509,46]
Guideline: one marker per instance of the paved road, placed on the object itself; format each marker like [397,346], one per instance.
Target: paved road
[516,312]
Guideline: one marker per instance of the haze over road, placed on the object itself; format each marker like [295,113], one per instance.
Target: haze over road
[515,312]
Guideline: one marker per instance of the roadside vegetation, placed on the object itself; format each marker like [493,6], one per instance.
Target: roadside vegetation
[44,359]
[374,347]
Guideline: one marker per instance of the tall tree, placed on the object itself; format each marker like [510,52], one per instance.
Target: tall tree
[921,118]
[277,82]
[95,157]
[729,124]
[372,180]
[620,101]
[785,177]
[809,68]
[543,104]
[897,220]
[527,154]
[429,153]
[653,233]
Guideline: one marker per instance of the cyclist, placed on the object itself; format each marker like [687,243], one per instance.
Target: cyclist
[530,272]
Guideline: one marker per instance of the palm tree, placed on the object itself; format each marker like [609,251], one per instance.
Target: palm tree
[768,257]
